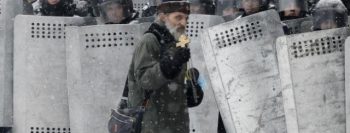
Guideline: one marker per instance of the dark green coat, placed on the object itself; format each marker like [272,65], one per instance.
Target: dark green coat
[167,111]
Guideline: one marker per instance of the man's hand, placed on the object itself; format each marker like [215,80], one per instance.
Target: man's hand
[194,91]
[182,55]
[172,61]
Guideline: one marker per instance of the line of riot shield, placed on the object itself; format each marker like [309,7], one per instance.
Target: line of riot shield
[203,118]
[242,64]
[295,26]
[312,77]
[40,91]
[98,60]
[8,10]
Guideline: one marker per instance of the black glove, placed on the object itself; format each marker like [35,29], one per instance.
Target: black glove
[194,91]
[172,60]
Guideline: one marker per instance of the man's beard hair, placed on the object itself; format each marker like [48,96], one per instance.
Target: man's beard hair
[175,31]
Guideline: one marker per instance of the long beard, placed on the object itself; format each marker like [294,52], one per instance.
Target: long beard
[175,31]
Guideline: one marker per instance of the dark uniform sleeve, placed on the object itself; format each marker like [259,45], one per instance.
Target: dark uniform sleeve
[146,64]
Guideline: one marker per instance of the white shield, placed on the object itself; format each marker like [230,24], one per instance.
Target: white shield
[312,77]
[203,118]
[98,60]
[8,10]
[242,63]
[140,5]
[40,91]
[347,81]
[295,25]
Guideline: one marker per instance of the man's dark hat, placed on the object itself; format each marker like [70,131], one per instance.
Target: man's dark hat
[169,6]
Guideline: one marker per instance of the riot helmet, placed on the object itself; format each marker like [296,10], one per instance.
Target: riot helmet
[57,7]
[116,11]
[329,14]
[227,7]
[292,9]
[253,6]
[202,7]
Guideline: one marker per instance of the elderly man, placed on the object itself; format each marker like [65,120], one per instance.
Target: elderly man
[158,72]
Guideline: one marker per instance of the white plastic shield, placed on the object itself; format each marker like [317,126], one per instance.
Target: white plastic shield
[40,92]
[242,64]
[347,81]
[139,5]
[203,118]
[312,77]
[98,60]
[295,26]
[8,10]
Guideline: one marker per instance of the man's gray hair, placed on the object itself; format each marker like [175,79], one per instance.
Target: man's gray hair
[158,20]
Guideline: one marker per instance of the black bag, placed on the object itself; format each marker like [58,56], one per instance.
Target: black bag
[127,120]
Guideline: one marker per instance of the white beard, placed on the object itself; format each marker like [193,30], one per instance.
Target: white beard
[174,31]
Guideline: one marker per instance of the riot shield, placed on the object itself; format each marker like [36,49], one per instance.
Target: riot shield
[139,5]
[40,91]
[8,10]
[307,25]
[295,26]
[146,19]
[242,64]
[203,118]
[347,81]
[98,60]
[312,78]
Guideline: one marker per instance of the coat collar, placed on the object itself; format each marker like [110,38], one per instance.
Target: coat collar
[162,33]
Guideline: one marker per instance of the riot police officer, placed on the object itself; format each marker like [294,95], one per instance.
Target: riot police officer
[329,14]
[292,9]
[117,11]
[56,8]
[202,7]
[250,7]
[81,8]
[229,9]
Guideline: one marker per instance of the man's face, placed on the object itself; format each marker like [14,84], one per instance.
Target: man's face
[176,23]
[251,6]
[328,24]
[115,12]
[292,11]
[52,2]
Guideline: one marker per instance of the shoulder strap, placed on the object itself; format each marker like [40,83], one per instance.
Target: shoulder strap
[126,89]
